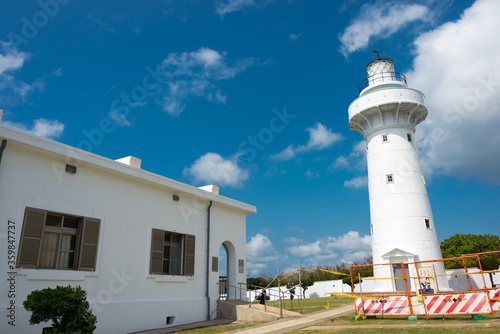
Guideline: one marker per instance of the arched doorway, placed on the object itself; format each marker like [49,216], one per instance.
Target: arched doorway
[227,271]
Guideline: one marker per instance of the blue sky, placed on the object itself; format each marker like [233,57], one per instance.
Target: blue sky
[252,96]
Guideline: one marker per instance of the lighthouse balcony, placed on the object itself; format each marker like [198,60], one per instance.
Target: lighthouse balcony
[384,77]
[390,106]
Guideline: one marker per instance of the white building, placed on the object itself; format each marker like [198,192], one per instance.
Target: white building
[137,242]
[386,114]
[319,289]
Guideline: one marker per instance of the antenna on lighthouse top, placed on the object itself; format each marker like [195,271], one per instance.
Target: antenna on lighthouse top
[379,53]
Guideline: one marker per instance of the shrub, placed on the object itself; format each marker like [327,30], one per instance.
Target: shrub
[66,306]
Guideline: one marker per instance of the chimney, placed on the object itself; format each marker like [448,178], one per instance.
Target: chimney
[131,161]
[211,188]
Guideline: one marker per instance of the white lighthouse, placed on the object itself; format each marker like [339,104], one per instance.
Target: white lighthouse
[386,114]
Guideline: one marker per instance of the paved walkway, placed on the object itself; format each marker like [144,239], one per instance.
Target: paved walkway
[289,324]
[279,326]
[186,327]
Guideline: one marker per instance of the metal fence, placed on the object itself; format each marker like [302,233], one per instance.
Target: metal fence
[465,285]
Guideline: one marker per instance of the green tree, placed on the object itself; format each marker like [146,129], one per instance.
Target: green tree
[462,244]
[66,306]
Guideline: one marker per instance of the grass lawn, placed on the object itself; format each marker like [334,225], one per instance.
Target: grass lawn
[422,330]
[391,321]
[347,320]
[310,305]
[220,328]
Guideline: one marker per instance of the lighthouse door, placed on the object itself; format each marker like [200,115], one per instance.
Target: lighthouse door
[398,272]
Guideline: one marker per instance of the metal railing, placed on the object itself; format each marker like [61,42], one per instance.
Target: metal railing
[265,293]
[223,287]
[382,77]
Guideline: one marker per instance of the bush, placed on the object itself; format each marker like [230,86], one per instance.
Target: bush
[66,306]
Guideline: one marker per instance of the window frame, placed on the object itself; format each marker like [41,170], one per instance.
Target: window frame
[60,230]
[389,178]
[33,235]
[427,223]
[157,255]
[385,138]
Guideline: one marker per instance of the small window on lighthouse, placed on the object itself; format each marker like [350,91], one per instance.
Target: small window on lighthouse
[409,137]
[385,138]
[371,228]
[390,178]
[427,224]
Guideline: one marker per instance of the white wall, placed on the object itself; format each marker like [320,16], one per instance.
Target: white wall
[317,290]
[459,282]
[123,295]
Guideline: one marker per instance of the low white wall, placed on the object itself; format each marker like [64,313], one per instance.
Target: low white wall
[318,289]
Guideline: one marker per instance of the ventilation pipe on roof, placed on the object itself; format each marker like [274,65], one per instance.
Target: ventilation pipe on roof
[208,261]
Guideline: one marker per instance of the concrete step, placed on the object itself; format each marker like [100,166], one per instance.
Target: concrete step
[244,311]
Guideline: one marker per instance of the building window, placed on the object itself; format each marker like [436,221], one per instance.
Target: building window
[171,253]
[58,241]
[408,135]
[390,178]
[385,138]
[371,228]
[427,224]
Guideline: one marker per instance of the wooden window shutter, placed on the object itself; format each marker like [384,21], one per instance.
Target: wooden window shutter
[31,238]
[189,255]
[156,261]
[88,248]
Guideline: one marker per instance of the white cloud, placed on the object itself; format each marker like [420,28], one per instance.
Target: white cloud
[320,137]
[58,73]
[119,118]
[213,169]
[13,91]
[196,74]
[287,154]
[293,36]
[296,229]
[306,250]
[355,160]
[10,58]
[351,257]
[312,174]
[456,67]
[342,162]
[42,127]
[293,241]
[260,253]
[350,247]
[377,21]
[231,6]
[357,182]
[255,269]
[350,241]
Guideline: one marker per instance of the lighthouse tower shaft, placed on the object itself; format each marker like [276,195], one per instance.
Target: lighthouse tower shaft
[386,114]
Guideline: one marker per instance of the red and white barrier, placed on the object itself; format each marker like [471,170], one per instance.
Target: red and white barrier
[456,304]
[395,305]
[495,304]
